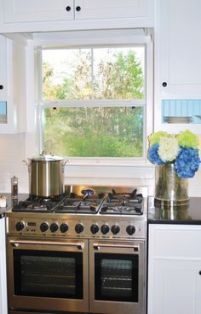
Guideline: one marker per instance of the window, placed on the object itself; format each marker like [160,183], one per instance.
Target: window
[94,100]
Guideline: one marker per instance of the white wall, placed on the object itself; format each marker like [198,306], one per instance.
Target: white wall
[12,152]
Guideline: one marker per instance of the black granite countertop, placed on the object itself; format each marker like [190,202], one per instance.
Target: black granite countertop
[189,213]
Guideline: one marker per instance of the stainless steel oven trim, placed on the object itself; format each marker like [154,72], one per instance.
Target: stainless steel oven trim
[18,243]
[49,304]
[100,245]
[119,247]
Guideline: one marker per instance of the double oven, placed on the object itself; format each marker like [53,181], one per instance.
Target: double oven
[86,263]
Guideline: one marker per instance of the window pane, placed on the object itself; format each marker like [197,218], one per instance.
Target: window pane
[93,73]
[94,132]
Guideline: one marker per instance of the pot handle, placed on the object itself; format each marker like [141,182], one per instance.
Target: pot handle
[65,162]
[27,163]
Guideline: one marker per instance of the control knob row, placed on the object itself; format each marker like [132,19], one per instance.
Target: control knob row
[115,229]
[53,227]
[79,228]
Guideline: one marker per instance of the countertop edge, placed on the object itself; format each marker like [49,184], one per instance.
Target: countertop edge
[174,222]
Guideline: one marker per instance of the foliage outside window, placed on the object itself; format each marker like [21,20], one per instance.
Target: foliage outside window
[94,101]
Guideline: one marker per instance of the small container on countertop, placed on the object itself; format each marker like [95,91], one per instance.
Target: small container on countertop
[2,201]
[14,188]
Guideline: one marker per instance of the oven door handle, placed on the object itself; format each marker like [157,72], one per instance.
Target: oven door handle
[79,245]
[98,246]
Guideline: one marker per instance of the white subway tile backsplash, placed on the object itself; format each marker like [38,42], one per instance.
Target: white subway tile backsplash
[12,152]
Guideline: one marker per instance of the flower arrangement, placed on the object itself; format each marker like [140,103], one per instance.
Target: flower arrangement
[181,149]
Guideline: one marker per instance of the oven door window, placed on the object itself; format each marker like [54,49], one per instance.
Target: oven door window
[48,274]
[116,277]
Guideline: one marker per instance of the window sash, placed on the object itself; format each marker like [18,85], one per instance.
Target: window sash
[147,102]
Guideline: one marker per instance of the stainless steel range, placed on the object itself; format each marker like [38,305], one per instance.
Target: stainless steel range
[84,251]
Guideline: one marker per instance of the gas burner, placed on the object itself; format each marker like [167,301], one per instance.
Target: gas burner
[123,203]
[132,196]
[119,208]
[37,204]
[79,206]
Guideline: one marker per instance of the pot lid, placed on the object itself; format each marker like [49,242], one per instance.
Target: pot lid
[47,158]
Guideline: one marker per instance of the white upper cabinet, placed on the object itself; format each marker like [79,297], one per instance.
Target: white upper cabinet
[7,112]
[12,86]
[96,9]
[3,69]
[49,15]
[37,10]
[178,48]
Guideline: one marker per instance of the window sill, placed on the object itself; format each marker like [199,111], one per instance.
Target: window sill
[110,162]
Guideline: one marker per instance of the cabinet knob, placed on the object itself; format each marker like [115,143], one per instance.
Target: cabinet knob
[164,84]
[68,8]
[1,86]
[199,272]
[78,8]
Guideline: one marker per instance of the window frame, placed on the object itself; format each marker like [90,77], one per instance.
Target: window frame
[86,39]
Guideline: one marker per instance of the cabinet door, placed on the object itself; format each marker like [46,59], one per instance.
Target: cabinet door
[37,10]
[3,69]
[3,83]
[8,110]
[177,286]
[178,27]
[174,269]
[104,9]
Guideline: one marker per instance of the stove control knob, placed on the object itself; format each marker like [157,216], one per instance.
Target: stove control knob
[115,229]
[64,228]
[44,227]
[130,230]
[20,225]
[94,229]
[79,228]
[54,227]
[105,229]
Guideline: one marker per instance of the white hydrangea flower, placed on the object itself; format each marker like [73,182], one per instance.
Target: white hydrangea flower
[168,148]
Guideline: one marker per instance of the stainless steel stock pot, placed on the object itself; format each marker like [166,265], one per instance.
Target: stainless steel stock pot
[46,175]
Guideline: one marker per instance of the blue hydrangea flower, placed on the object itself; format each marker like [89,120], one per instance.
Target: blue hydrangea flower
[153,155]
[187,162]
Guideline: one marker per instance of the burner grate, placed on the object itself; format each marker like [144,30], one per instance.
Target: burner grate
[79,206]
[116,201]
[118,209]
[123,203]
[37,204]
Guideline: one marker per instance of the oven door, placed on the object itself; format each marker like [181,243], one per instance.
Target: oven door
[48,275]
[118,276]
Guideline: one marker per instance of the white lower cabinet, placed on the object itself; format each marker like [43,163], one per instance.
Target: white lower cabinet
[174,271]
[3,280]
